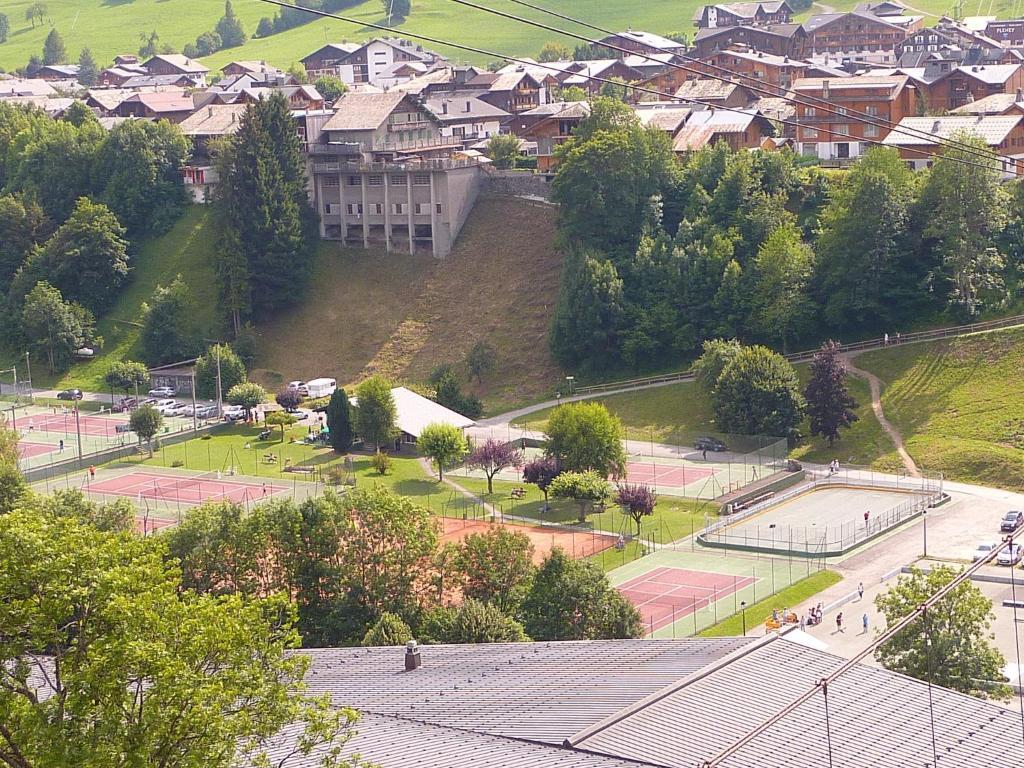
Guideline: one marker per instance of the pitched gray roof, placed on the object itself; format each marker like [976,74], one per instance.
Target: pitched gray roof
[393,741]
[878,719]
[543,692]
[363,111]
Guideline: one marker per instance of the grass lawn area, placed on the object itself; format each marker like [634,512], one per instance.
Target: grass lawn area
[673,518]
[187,249]
[759,612]
[677,413]
[959,404]
[401,316]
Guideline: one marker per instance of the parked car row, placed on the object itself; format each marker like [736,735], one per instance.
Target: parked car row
[1010,554]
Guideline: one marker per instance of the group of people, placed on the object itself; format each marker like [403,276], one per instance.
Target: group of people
[814,615]
[833,466]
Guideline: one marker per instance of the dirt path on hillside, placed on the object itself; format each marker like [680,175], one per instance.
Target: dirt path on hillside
[876,405]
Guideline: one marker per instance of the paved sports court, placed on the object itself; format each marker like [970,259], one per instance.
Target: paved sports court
[186,490]
[666,595]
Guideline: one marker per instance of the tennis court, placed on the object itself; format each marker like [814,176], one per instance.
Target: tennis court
[544,539]
[186,490]
[666,594]
[666,474]
[89,424]
[28,449]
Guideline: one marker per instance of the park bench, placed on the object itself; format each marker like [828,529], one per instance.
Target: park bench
[518,493]
[751,502]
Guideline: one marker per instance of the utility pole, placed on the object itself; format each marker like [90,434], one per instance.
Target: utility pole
[195,425]
[220,396]
[28,363]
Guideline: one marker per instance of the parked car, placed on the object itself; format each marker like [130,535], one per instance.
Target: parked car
[708,444]
[234,413]
[1011,521]
[983,551]
[299,386]
[164,406]
[69,394]
[181,409]
[1010,555]
[125,404]
[85,353]
[162,392]
[206,411]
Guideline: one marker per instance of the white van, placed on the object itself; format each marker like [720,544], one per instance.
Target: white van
[321,387]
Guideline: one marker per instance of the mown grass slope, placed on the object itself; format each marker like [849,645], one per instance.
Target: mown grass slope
[959,404]
[401,316]
[187,249]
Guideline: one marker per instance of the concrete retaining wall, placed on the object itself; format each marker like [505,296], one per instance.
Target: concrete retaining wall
[518,184]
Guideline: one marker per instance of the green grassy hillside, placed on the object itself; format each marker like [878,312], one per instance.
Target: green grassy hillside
[115,26]
[959,404]
[185,250]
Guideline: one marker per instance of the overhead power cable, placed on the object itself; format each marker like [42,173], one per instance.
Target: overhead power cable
[989,166]
[829,108]
[809,100]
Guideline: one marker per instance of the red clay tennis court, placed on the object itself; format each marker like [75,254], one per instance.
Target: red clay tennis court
[668,594]
[188,490]
[98,426]
[28,450]
[665,474]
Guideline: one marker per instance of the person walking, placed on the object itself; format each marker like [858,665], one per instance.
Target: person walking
[867,514]
[839,622]
[860,591]
[704,454]
[886,340]
[62,446]
[864,621]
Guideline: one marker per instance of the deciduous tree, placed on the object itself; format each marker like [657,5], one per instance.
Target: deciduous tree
[758,393]
[572,600]
[829,403]
[388,630]
[481,360]
[288,398]
[540,472]
[249,394]
[782,307]
[503,150]
[951,646]
[23,224]
[554,52]
[717,354]
[396,11]
[53,327]
[444,445]
[590,310]
[5,27]
[145,422]
[280,419]
[495,567]
[127,375]
[330,87]
[492,456]
[472,622]
[376,414]
[96,624]
[637,501]
[168,334]
[586,436]
[232,371]
[585,488]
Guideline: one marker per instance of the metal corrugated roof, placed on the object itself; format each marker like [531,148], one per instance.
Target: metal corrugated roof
[878,719]
[543,692]
[393,742]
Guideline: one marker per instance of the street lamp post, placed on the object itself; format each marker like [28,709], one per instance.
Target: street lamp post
[743,614]
[28,363]
[924,518]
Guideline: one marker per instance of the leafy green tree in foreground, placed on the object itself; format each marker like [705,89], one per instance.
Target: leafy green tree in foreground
[168,333]
[829,403]
[444,445]
[637,501]
[572,600]
[376,414]
[961,655]
[718,353]
[145,422]
[12,484]
[782,307]
[105,661]
[758,393]
[330,87]
[281,419]
[55,328]
[586,436]
[492,456]
[503,150]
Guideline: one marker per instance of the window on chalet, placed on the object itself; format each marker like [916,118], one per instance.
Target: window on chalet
[871,110]
[352,181]
[330,181]
[397,179]
[810,111]
[421,180]
[375,180]
[870,131]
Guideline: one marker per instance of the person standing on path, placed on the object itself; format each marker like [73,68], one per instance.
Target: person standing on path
[867,514]
[860,590]
[839,622]
[864,620]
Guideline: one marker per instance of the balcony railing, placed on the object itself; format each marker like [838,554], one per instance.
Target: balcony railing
[436,141]
[418,164]
[335,148]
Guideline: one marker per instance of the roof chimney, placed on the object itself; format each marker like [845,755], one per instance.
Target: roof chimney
[412,656]
[469,106]
[935,127]
[444,107]
[1020,95]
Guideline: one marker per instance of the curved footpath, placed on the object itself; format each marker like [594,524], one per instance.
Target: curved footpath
[875,385]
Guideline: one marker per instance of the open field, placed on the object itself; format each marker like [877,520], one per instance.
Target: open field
[112,27]
[399,315]
[959,404]
[187,250]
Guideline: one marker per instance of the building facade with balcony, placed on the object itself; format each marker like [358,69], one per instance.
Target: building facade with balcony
[873,102]
[383,176]
[860,35]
